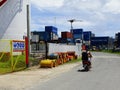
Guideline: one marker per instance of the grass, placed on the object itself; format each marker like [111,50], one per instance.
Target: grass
[5,66]
[110,51]
[74,61]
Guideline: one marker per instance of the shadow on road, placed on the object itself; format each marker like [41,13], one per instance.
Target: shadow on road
[82,70]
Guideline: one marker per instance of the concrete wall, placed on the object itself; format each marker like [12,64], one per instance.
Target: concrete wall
[64,48]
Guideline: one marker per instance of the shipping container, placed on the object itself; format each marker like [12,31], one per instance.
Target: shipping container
[77,31]
[65,40]
[51,36]
[42,35]
[87,35]
[66,35]
[51,29]
[78,36]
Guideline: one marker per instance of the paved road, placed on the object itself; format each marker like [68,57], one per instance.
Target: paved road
[104,75]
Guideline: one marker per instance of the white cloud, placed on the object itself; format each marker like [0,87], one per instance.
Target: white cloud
[47,3]
[83,24]
[98,14]
[113,6]
[83,4]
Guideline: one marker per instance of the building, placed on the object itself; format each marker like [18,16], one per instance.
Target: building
[13,19]
[101,42]
[117,40]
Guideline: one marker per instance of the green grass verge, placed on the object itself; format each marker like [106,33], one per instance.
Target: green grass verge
[110,51]
[74,61]
[5,66]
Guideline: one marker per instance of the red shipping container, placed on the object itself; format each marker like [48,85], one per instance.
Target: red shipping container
[66,35]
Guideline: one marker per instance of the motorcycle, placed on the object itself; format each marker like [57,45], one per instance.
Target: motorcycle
[86,65]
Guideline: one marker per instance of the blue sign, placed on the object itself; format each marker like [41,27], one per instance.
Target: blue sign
[18,46]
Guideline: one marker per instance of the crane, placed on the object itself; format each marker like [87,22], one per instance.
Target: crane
[73,20]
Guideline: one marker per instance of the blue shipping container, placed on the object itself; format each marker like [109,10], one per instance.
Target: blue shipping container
[51,29]
[87,35]
[78,36]
[77,31]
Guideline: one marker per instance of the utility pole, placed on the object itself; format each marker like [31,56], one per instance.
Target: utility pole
[71,21]
[28,28]
[27,40]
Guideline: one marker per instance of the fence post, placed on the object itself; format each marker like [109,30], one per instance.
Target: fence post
[11,54]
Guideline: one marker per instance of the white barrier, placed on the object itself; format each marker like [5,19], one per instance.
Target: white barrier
[64,48]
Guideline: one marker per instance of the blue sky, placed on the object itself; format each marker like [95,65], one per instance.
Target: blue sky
[102,17]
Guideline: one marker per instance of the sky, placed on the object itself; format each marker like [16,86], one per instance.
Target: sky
[102,17]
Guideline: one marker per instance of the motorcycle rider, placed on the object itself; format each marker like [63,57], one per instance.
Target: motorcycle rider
[85,58]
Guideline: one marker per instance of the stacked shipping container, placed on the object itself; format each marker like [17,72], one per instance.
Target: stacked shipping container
[51,33]
[87,35]
[66,35]
[77,34]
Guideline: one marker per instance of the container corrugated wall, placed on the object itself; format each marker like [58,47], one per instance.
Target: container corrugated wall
[66,35]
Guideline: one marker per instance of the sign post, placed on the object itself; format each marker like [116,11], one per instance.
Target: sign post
[27,51]
[16,46]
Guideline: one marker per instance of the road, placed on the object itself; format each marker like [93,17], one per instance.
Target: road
[104,75]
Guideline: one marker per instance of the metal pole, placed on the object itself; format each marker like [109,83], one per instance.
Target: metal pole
[46,49]
[28,29]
